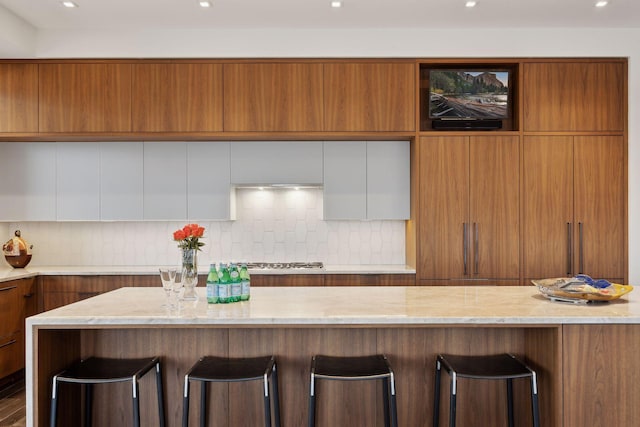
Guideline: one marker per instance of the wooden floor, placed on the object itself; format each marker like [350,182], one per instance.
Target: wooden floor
[12,406]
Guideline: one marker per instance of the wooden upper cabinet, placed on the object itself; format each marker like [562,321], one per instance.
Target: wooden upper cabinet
[177,98]
[85,97]
[18,97]
[273,97]
[369,96]
[581,96]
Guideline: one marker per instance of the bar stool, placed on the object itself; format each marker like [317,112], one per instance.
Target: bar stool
[495,367]
[97,370]
[221,369]
[355,368]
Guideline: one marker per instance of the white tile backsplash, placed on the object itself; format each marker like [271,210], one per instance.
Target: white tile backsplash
[271,225]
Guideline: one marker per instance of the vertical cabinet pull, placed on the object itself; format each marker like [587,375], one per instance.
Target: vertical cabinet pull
[580,250]
[569,251]
[464,246]
[475,248]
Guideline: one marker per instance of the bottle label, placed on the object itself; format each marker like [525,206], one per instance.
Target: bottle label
[223,291]
[234,274]
[246,286]
[236,289]
[212,293]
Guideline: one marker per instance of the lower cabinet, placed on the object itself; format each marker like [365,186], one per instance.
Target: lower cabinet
[17,302]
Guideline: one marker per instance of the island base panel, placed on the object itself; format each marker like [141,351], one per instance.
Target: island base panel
[411,351]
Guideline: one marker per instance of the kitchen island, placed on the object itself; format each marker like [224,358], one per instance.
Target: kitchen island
[586,356]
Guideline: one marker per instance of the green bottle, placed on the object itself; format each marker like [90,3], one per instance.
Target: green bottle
[224,284]
[246,282]
[236,282]
[212,285]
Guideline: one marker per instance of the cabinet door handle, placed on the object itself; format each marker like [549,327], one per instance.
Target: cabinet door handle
[8,343]
[29,295]
[464,246]
[569,251]
[475,247]
[8,288]
[580,250]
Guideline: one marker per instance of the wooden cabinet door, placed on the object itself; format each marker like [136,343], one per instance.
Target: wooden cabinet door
[599,206]
[10,309]
[85,97]
[576,96]
[177,98]
[443,208]
[494,207]
[18,98]
[369,97]
[273,97]
[548,206]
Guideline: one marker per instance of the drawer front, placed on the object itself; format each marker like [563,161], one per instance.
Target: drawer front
[9,310]
[11,354]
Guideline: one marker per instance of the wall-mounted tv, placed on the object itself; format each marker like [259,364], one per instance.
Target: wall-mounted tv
[469,94]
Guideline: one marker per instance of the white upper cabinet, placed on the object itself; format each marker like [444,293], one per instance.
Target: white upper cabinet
[366,180]
[121,181]
[78,181]
[388,180]
[276,162]
[27,181]
[208,181]
[165,180]
[345,180]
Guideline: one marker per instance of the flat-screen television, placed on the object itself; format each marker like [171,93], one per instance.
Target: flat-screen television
[469,94]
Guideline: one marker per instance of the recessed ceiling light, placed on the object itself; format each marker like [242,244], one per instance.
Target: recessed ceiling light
[205,3]
[470,4]
[69,4]
[336,4]
[602,3]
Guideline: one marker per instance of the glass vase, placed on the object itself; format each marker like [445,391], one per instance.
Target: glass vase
[189,274]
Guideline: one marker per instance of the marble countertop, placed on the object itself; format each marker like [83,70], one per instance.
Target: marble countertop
[342,306]
[8,273]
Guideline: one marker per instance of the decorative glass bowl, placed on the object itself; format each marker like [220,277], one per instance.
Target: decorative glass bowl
[572,290]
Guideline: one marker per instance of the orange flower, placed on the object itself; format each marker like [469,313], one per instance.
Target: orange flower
[179,235]
[199,232]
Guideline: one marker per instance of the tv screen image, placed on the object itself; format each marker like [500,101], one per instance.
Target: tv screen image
[469,94]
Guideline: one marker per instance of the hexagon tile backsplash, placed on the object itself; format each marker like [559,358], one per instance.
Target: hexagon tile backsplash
[283,225]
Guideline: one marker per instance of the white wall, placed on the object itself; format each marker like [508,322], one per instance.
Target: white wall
[17,37]
[586,42]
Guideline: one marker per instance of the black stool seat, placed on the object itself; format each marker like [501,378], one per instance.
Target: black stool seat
[97,370]
[496,367]
[374,367]
[223,369]
[101,370]
[492,367]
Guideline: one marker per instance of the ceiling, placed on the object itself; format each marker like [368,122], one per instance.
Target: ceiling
[296,14]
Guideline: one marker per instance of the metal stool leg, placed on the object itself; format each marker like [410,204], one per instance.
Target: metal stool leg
[276,395]
[160,391]
[312,403]
[436,395]
[54,403]
[535,408]
[452,401]
[136,403]
[386,401]
[394,408]
[203,404]
[267,402]
[185,402]
[510,401]
[88,405]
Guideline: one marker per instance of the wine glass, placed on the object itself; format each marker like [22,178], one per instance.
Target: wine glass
[178,284]
[168,277]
